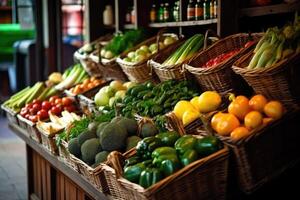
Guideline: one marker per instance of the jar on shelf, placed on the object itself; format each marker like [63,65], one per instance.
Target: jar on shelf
[191,11]
[133,15]
[108,18]
[206,9]
[175,13]
[215,9]
[211,9]
[161,13]
[199,10]
[128,15]
[166,12]
[153,14]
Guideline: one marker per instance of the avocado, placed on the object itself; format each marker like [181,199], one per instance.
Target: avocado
[130,125]
[148,129]
[116,119]
[74,147]
[93,126]
[101,157]
[113,137]
[85,136]
[100,127]
[132,142]
[89,150]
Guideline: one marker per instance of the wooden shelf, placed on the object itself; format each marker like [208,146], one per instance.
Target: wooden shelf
[129,26]
[184,23]
[268,10]
[5,8]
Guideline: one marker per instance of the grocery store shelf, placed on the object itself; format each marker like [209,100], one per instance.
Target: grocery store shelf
[184,23]
[53,160]
[268,10]
[129,26]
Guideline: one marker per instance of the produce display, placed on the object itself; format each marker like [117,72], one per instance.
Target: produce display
[276,45]
[189,111]
[162,155]
[122,42]
[145,51]
[86,85]
[41,110]
[220,58]
[185,51]
[244,116]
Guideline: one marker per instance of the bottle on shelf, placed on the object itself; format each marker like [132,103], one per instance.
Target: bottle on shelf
[133,15]
[176,12]
[199,10]
[212,10]
[215,9]
[166,13]
[161,13]
[108,18]
[153,14]
[191,11]
[128,16]
[206,9]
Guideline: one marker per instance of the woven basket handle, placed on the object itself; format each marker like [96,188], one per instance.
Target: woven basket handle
[206,37]
[115,159]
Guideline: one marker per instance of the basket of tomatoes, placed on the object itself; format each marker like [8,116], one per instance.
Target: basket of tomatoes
[261,136]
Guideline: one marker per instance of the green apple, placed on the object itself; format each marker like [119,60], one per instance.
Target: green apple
[131,55]
[116,85]
[101,99]
[111,101]
[140,58]
[120,94]
[127,59]
[140,52]
[102,52]
[108,55]
[161,45]
[169,40]
[153,47]
[145,48]
[110,91]
[129,84]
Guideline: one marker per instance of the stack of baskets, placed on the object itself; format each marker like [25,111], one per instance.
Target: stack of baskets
[141,72]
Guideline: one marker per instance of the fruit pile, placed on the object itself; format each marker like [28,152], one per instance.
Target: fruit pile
[86,85]
[40,110]
[189,111]
[244,116]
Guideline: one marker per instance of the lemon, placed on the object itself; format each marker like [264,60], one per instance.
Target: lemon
[181,107]
[195,103]
[189,116]
[209,101]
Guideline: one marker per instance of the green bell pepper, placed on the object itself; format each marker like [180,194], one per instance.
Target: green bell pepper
[188,157]
[145,147]
[150,176]
[184,143]
[132,161]
[207,145]
[163,151]
[168,138]
[132,173]
[169,167]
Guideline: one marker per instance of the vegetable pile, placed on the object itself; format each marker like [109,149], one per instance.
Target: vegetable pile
[220,58]
[161,156]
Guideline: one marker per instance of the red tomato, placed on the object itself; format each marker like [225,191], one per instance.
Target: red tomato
[56,110]
[53,98]
[46,105]
[23,112]
[66,101]
[33,111]
[37,106]
[58,101]
[33,118]
[70,108]
[29,105]
[42,114]
[37,101]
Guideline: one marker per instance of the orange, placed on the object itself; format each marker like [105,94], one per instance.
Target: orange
[239,107]
[274,109]
[215,120]
[239,133]
[253,119]
[258,102]
[227,123]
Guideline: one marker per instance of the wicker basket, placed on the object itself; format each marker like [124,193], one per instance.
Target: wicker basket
[280,81]
[28,125]
[141,72]
[93,175]
[91,67]
[266,153]
[48,141]
[108,68]
[202,179]
[64,156]
[221,78]
[10,114]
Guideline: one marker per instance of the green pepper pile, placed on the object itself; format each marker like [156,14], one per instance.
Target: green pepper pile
[162,155]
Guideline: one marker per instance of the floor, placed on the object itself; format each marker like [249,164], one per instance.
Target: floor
[13,184]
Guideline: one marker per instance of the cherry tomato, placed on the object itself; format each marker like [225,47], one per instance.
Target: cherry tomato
[33,118]
[46,105]
[42,114]
[58,101]
[37,106]
[53,98]
[70,108]
[27,116]
[23,112]
[66,101]
[37,101]
[56,110]
[29,105]
[33,111]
